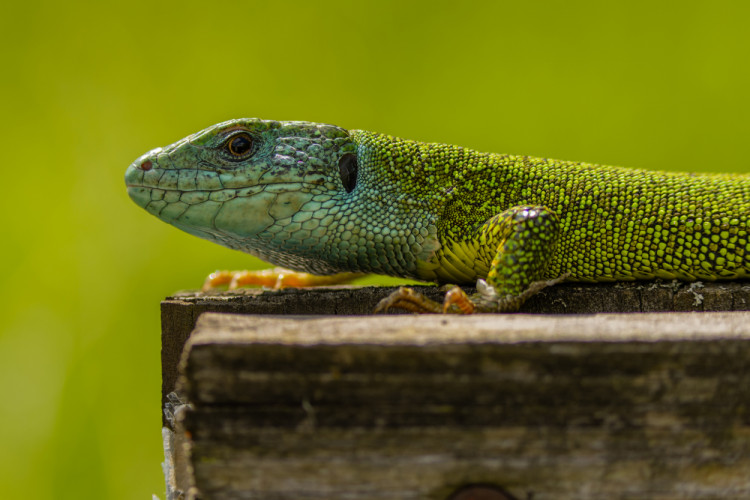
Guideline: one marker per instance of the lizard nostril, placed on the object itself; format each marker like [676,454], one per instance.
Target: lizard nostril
[146,165]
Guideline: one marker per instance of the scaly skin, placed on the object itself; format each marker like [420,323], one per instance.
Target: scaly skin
[322,199]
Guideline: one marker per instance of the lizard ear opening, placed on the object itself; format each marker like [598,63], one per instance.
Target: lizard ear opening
[348,170]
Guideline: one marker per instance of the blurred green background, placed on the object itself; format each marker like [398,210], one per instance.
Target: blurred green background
[89,86]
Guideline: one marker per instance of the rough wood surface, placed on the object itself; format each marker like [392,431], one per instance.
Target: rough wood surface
[613,406]
[180,312]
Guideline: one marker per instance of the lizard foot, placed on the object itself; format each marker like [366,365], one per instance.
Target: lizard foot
[408,299]
[456,302]
[488,300]
[275,278]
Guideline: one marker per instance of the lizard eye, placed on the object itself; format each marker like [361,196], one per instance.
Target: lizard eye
[348,171]
[239,146]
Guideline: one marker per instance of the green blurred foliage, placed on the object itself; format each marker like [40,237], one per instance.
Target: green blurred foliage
[89,86]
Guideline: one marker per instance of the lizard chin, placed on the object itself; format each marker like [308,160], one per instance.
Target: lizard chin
[139,194]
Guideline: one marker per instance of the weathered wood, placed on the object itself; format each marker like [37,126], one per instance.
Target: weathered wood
[180,312]
[612,406]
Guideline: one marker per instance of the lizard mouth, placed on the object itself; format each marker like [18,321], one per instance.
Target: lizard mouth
[155,199]
[271,187]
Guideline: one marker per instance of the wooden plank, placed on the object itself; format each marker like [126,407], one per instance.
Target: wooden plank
[180,312]
[616,406]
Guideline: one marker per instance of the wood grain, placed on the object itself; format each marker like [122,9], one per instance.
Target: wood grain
[615,406]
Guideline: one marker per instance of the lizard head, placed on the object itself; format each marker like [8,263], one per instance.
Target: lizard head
[247,178]
[307,196]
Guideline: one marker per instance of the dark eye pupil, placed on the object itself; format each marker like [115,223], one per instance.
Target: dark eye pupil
[240,145]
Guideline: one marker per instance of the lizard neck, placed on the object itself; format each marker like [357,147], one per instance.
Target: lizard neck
[386,225]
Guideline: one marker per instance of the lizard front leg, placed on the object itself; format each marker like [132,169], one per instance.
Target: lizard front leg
[524,238]
[527,237]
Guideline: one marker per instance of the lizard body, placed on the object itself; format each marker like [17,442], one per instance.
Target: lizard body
[322,199]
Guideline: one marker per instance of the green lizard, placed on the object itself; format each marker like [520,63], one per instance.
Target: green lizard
[323,199]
